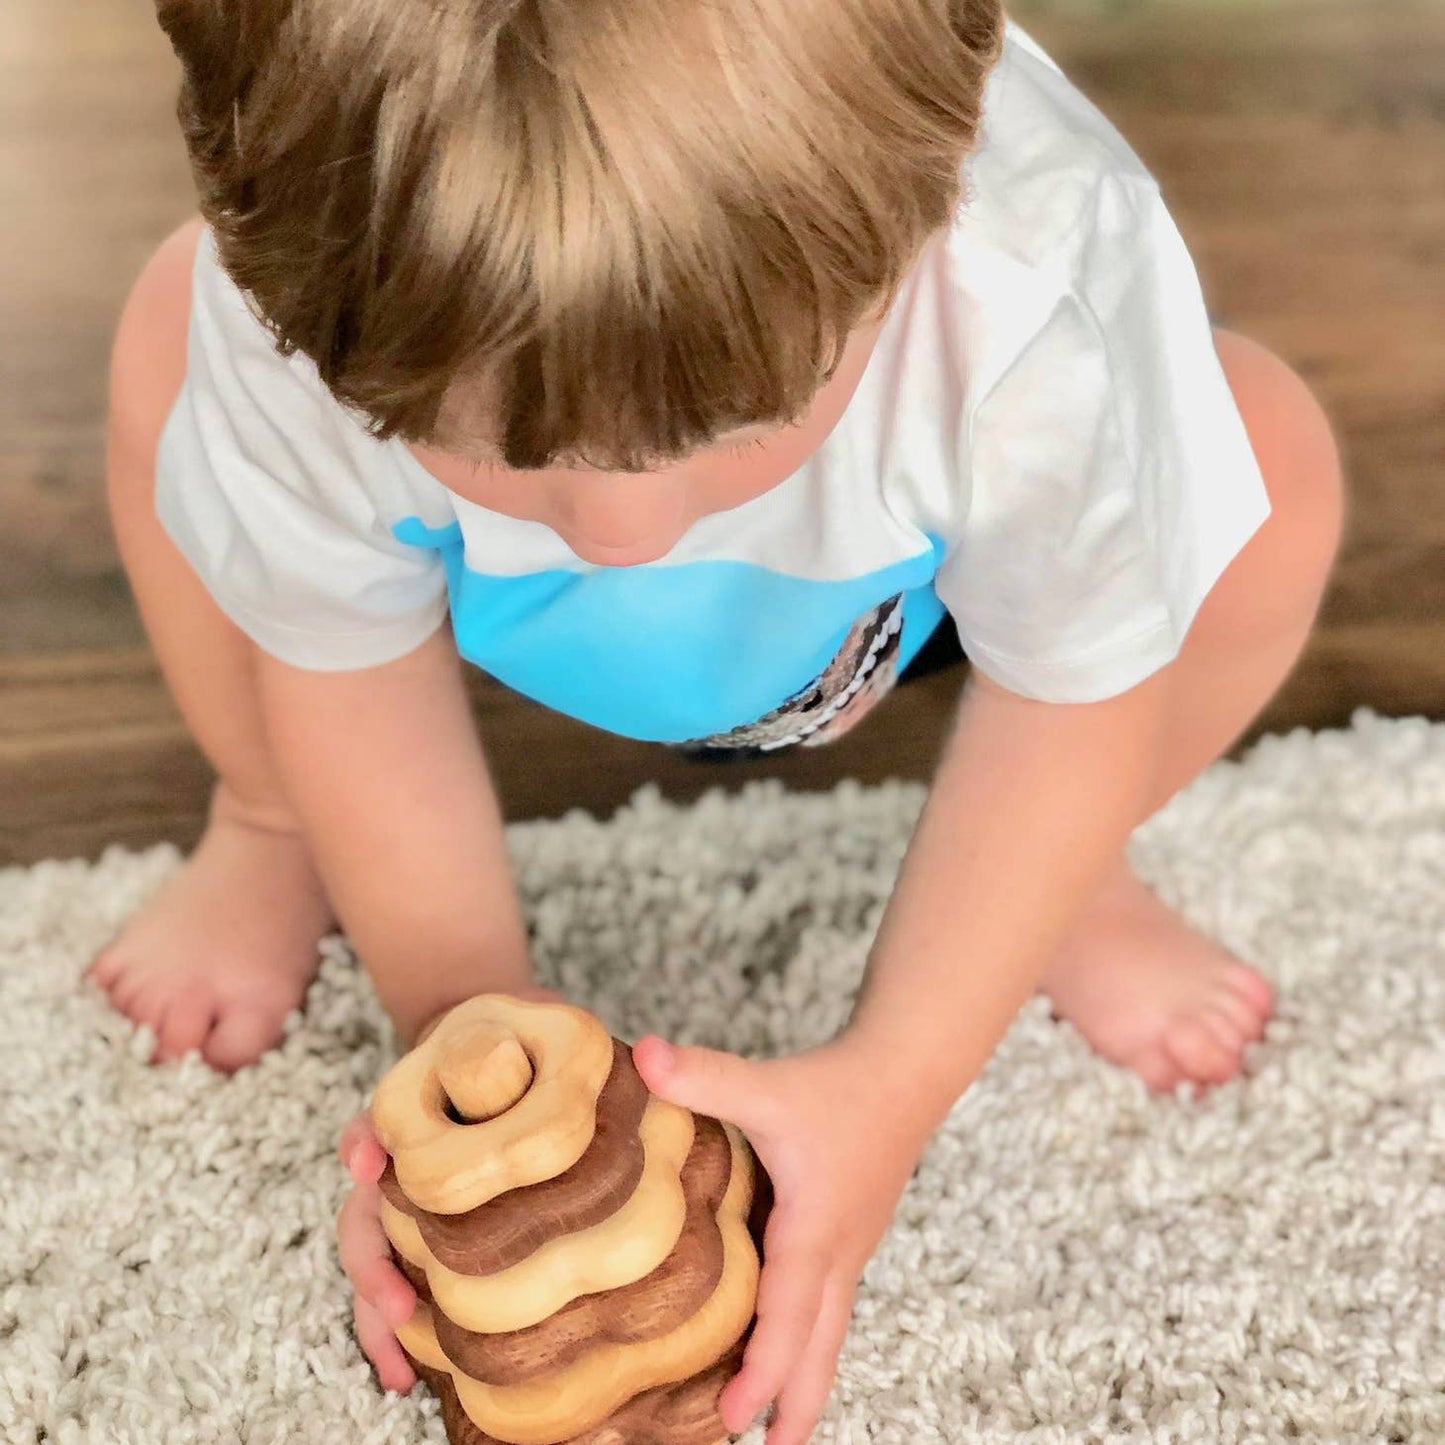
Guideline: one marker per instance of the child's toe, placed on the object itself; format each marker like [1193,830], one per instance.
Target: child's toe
[150,1003]
[186,1023]
[1248,1022]
[104,968]
[1196,1050]
[128,993]
[1158,1070]
[1226,1030]
[242,1034]
[1252,988]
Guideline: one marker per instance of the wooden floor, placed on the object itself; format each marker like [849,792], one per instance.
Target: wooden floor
[1301,148]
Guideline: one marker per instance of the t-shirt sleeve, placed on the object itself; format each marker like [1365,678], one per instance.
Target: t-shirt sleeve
[261,493]
[1111,478]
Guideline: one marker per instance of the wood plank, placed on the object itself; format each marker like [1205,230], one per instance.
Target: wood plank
[92,751]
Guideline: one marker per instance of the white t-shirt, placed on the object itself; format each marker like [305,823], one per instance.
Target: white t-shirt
[1043,443]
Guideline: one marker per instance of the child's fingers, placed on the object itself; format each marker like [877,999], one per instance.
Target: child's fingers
[361,1150]
[368,1161]
[366,1256]
[806,1391]
[357,1127]
[380,1346]
[790,1294]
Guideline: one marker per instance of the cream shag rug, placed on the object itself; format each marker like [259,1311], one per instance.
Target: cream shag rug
[1074,1260]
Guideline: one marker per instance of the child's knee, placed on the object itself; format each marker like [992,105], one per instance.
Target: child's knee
[147,370]
[1297,451]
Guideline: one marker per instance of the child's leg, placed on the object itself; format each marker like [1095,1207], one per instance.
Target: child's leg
[1147,990]
[221,954]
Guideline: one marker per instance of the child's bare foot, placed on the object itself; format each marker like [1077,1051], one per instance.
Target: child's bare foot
[1151,993]
[225,950]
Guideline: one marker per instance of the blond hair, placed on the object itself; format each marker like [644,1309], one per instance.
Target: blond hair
[636,224]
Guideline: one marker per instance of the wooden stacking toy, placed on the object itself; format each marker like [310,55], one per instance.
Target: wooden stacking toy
[581,1249]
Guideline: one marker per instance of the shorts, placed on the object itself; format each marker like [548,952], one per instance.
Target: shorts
[942,649]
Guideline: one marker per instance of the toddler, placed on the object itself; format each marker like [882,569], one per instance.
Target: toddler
[700,363]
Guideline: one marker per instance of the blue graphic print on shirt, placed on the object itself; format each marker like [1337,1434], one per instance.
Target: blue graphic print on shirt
[718,652]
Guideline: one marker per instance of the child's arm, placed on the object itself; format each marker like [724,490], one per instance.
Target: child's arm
[1030,805]
[386,771]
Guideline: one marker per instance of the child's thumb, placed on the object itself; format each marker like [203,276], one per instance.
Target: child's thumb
[707,1081]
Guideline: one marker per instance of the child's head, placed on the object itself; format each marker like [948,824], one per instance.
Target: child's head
[606,232]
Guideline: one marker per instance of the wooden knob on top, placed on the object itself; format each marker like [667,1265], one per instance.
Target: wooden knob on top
[484,1071]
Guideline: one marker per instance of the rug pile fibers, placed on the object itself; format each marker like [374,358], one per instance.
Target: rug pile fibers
[1075,1259]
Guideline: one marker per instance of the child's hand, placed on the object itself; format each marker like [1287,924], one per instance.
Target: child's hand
[839,1151]
[384,1297]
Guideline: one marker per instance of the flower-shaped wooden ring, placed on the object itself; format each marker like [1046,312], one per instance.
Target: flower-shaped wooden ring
[502,1093]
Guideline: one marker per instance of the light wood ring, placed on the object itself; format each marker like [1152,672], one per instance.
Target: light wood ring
[535,1068]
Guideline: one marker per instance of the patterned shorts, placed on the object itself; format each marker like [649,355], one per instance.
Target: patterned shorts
[832,716]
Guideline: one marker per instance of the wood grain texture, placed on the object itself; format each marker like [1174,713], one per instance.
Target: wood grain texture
[505,1230]
[551,1346]
[450,1163]
[630,1243]
[552,1409]
[1301,149]
[684,1414]
[658,1303]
